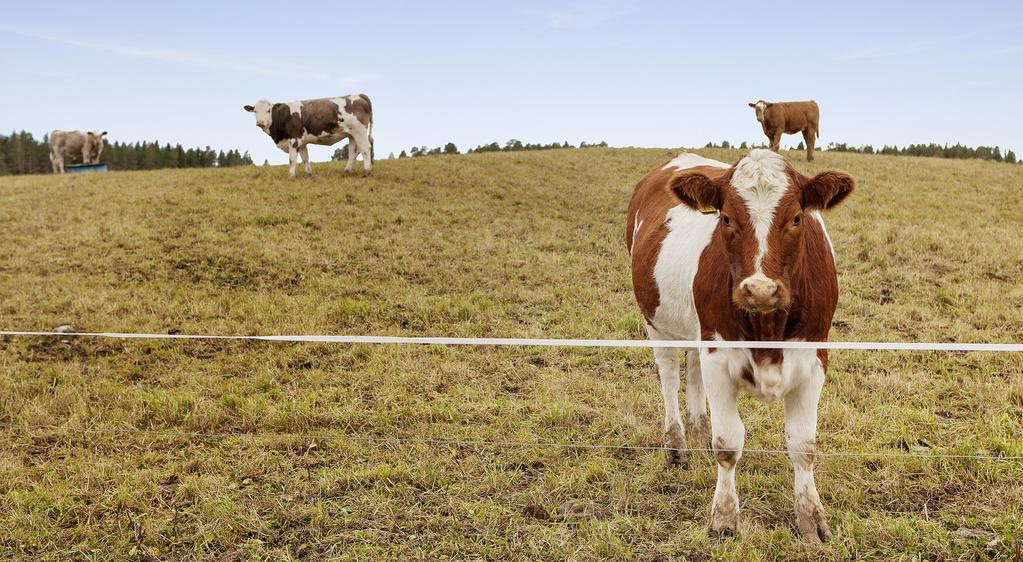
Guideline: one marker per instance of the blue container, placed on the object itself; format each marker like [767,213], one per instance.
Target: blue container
[86,168]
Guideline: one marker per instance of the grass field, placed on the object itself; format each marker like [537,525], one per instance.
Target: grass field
[514,244]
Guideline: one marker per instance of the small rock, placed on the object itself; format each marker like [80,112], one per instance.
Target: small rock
[579,510]
[65,329]
[966,533]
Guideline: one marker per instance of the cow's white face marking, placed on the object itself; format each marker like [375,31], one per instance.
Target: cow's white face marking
[760,106]
[761,181]
[262,111]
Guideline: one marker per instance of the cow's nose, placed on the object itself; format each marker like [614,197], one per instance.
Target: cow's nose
[760,292]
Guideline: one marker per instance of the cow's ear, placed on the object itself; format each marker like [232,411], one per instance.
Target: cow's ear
[103,134]
[768,104]
[249,108]
[696,190]
[826,190]
[751,104]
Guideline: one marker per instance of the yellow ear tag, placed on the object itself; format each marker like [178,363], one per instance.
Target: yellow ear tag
[708,210]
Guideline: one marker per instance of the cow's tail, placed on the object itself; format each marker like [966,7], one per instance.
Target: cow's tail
[372,152]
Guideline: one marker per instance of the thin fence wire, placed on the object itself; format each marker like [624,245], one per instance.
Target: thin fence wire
[550,342]
[483,443]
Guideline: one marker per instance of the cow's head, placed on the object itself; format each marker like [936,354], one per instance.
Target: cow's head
[95,145]
[262,111]
[762,204]
[760,106]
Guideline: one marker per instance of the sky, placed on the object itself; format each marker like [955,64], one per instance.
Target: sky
[657,74]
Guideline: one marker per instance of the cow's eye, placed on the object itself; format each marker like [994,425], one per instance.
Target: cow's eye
[726,220]
[798,219]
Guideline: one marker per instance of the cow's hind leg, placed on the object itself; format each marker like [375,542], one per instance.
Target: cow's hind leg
[697,423]
[292,157]
[801,436]
[809,137]
[306,164]
[674,431]
[729,437]
[364,145]
[352,153]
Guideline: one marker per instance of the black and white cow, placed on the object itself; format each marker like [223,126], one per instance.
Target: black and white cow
[296,124]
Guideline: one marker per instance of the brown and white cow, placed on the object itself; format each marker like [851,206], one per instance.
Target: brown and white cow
[296,124]
[738,253]
[789,117]
[89,144]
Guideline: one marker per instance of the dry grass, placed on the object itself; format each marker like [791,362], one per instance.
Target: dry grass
[521,244]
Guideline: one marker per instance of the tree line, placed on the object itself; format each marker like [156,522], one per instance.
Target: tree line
[21,153]
[933,150]
[512,145]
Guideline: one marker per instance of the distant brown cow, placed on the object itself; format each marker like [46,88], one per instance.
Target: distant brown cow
[89,144]
[789,117]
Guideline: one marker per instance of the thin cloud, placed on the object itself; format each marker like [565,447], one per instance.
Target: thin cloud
[880,53]
[195,59]
[588,17]
[922,46]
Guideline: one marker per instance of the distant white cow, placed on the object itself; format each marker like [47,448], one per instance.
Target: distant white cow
[89,144]
[294,125]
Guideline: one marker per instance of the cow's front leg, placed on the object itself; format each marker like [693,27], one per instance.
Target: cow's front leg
[801,437]
[306,164]
[729,437]
[776,142]
[292,158]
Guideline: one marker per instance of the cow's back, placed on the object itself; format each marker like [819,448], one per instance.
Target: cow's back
[792,116]
[665,239]
[66,141]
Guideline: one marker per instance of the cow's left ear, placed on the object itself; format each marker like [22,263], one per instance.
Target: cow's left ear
[751,104]
[249,108]
[826,190]
[103,134]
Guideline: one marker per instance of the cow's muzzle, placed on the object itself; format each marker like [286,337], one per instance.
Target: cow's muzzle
[759,293]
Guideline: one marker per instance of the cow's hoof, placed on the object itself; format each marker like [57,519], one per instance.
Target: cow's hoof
[722,533]
[676,454]
[724,516]
[811,521]
[809,158]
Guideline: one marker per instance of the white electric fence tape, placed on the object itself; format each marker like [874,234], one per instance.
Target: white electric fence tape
[547,342]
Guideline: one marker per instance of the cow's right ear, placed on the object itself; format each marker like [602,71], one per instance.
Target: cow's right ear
[751,104]
[249,108]
[696,190]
